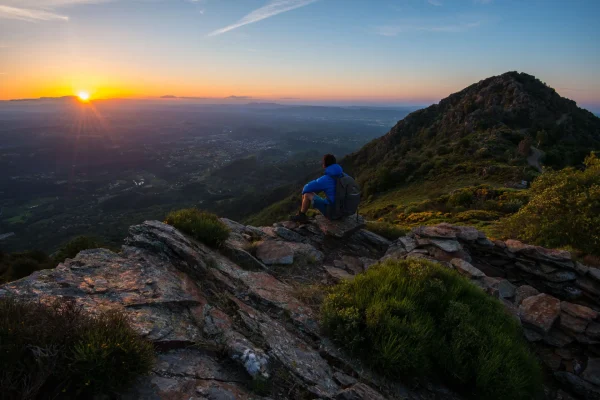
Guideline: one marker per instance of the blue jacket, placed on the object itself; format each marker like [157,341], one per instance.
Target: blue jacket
[326,183]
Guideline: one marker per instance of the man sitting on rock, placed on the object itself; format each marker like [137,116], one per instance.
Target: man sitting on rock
[326,183]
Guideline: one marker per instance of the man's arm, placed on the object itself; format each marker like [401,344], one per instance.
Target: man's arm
[315,186]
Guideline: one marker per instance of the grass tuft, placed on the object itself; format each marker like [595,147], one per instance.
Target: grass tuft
[387,230]
[56,350]
[200,225]
[416,318]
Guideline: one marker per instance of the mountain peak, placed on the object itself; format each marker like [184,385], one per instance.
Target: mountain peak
[477,128]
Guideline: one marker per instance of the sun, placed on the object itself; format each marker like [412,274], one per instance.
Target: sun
[83,96]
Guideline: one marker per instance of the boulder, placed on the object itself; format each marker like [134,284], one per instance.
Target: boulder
[338,274]
[594,273]
[340,228]
[572,324]
[578,385]
[593,330]
[524,292]
[540,311]
[579,311]
[359,391]
[592,371]
[273,252]
[465,268]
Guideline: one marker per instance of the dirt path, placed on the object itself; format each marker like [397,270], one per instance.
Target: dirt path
[534,158]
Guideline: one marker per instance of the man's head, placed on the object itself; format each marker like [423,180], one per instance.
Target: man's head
[329,159]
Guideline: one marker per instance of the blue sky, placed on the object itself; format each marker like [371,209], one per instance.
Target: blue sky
[384,52]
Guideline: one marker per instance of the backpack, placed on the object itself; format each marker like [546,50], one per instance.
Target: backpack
[347,198]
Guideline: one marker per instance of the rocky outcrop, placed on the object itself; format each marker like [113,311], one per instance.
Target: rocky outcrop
[236,323]
[227,323]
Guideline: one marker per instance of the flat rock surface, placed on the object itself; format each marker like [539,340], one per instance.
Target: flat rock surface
[466,268]
[273,252]
[540,311]
[340,228]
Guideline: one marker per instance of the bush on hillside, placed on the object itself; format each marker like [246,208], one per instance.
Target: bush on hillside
[56,350]
[413,317]
[74,246]
[387,230]
[18,265]
[200,225]
[564,210]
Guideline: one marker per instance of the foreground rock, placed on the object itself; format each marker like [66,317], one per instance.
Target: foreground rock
[219,327]
[230,321]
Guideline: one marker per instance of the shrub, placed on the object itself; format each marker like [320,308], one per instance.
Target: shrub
[200,225]
[413,317]
[564,210]
[462,197]
[387,230]
[479,215]
[15,266]
[56,350]
[74,246]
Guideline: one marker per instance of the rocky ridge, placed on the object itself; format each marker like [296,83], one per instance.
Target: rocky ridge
[236,323]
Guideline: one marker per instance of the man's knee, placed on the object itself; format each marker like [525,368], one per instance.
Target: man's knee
[308,195]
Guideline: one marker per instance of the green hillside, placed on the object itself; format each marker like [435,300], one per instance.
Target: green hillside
[496,133]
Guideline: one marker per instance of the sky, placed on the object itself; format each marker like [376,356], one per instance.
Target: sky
[345,51]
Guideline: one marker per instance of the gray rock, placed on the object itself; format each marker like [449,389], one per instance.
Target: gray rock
[594,273]
[272,252]
[540,311]
[578,385]
[465,268]
[579,311]
[593,330]
[344,380]
[373,239]
[592,371]
[340,228]
[338,274]
[441,231]
[581,268]
[450,246]
[409,243]
[572,324]
[524,292]
[359,391]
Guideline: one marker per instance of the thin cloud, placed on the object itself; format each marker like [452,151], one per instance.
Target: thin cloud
[274,7]
[395,30]
[435,2]
[26,14]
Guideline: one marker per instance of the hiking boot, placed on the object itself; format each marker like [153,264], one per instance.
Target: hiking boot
[300,217]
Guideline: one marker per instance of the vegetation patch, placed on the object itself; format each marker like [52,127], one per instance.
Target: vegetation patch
[200,225]
[416,318]
[56,350]
[18,265]
[564,210]
[387,230]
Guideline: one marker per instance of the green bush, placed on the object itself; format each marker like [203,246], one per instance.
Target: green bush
[55,350]
[413,317]
[200,225]
[479,215]
[564,210]
[463,197]
[15,266]
[73,247]
[387,230]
